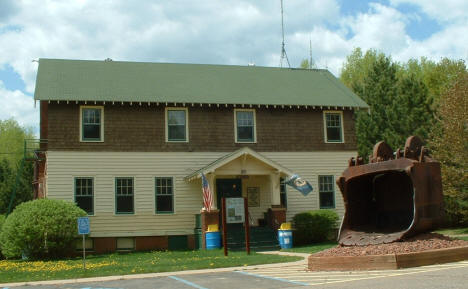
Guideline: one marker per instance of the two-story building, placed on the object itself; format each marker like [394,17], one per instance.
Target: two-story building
[127,141]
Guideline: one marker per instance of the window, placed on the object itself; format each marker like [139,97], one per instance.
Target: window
[244,125]
[84,194]
[164,189]
[283,196]
[176,120]
[92,118]
[124,195]
[326,192]
[333,127]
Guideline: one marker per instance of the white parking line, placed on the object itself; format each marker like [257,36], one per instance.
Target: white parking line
[301,276]
[186,282]
[272,278]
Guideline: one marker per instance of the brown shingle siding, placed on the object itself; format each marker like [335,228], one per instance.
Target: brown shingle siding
[142,128]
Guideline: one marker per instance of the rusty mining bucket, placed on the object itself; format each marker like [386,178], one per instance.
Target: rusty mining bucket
[395,196]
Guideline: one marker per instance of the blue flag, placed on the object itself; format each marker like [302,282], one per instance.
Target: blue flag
[299,184]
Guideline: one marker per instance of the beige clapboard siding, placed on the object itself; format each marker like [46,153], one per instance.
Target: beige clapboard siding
[309,166]
[63,167]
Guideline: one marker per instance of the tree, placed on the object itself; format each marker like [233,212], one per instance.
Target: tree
[378,88]
[449,144]
[357,66]
[414,109]
[306,64]
[7,179]
[12,138]
[401,102]
[438,77]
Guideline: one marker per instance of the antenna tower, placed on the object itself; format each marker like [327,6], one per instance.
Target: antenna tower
[283,50]
[311,64]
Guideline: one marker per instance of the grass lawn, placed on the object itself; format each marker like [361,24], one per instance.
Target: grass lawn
[453,231]
[314,248]
[132,263]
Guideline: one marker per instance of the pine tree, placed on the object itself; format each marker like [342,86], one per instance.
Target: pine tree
[379,90]
[6,184]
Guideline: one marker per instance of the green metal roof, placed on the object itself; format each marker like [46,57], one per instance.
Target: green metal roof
[85,80]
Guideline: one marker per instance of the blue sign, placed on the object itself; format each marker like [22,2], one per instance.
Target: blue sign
[83,226]
[299,184]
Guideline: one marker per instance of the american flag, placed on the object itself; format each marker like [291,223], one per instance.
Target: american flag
[207,195]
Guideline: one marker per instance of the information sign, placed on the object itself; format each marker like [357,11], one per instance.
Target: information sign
[83,225]
[235,212]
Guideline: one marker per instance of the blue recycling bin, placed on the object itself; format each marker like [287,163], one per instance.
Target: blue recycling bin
[285,239]
[213,240]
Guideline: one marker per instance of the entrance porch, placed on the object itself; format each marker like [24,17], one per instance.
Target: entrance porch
[246,173]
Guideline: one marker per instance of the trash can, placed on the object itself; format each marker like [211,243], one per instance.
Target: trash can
[198,239]
[213,240]
[285,239]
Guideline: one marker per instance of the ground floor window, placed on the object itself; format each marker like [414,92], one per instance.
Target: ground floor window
[124,196]
[164,190]
[84,194]
[326,192]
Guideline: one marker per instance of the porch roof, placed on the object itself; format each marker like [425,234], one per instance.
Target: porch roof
[245,151]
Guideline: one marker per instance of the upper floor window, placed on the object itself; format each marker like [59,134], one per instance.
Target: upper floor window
[92,119]
[333,127]
[84,194]
[124,196]
[176,124]
[164,195]
[326,192]
[245,125]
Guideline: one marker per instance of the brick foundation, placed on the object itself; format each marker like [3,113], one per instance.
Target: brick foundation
[191,242]
[105,245]
[151,243]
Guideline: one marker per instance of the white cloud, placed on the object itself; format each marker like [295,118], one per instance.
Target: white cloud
[17,105]
[214,31]
[441,10]
[382,27]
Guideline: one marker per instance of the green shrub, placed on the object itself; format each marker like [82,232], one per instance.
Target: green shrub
[314,226]
[41,229]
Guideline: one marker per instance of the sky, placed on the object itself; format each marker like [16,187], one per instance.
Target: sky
[232,32]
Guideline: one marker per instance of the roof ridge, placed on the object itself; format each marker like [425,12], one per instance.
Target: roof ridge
[184,63]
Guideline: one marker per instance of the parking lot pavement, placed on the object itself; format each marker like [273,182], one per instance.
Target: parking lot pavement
[292,275]
[221,280]
[295,274]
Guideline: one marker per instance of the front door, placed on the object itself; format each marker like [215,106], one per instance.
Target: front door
[228,188]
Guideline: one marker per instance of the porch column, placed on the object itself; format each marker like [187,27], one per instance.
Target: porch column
[211,182]
[275,189]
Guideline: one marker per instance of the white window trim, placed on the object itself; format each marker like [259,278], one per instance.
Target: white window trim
[325,125]
[186,124]
[254,126]
[81,122]
[174,211]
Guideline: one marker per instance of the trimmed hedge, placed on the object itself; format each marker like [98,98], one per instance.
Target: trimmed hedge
[314,226]
[41,229]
